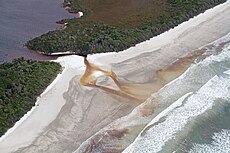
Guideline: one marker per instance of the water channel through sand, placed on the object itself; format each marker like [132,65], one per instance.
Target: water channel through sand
[118,86]
[136,92]
[99,120]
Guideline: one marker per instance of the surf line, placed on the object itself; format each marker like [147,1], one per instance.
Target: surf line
[90,80]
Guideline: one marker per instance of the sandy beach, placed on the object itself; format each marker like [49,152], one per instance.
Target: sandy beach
[69,114]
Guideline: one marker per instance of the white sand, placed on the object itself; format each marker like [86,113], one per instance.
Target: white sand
[157,42]
[46,109]
[27,115]
[62,53]
[51,101]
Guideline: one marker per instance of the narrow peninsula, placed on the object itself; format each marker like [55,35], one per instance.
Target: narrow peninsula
[114,26]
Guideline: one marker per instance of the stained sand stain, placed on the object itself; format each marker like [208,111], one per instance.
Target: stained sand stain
[137,92]
[109,140]
[123,88]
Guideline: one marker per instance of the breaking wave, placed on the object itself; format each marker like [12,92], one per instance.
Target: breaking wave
[195,92]
[220,144]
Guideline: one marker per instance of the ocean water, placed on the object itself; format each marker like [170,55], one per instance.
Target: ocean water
[197,117]
[185,115]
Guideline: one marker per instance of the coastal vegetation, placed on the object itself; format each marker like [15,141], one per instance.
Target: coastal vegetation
[21,82]
[109,26]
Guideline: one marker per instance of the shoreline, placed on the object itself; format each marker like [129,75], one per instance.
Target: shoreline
[138,119]
[172,30]
[139,29]
[159,40]
[119,58]
[29,119]
[32,19]
[110,58]
[217,56]
[26,116]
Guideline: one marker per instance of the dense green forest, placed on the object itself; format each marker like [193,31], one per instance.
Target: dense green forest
[21,82]
[108,26]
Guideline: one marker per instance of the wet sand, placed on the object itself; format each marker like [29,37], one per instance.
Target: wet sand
[85,110]
[119,134]
[145,68]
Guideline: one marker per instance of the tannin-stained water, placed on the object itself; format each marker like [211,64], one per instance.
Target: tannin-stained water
[136,121]
[121,87]
[137,92]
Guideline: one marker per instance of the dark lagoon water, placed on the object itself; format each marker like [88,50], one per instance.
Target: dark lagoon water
[21,20]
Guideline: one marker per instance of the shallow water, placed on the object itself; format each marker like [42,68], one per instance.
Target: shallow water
[183,88]
[200,121]
[197,82]
[22,20]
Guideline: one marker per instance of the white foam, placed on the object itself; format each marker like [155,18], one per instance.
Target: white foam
[164,113]
[226,38]
[200,70]
[76,62]
[227,72]
[225,55]
[153,138]
[221,144]
[195,71]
